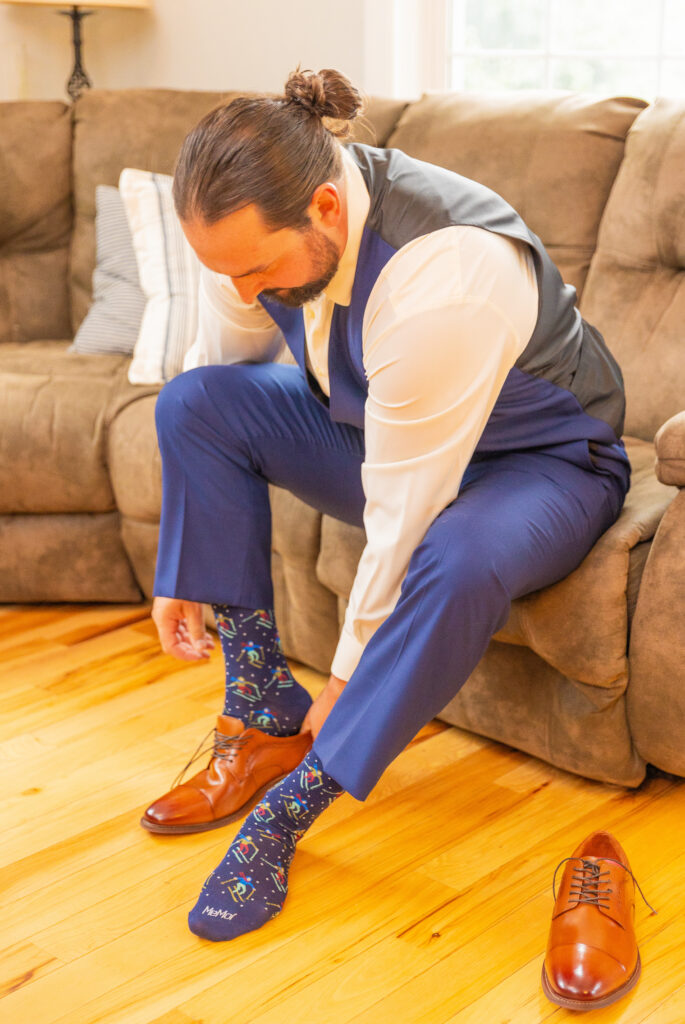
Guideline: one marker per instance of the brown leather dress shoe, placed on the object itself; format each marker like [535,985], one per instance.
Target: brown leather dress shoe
[592,956]
[244,765]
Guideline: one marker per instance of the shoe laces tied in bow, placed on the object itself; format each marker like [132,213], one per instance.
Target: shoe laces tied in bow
[221,746]
[589,884]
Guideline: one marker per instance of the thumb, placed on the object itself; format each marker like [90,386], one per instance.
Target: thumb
[195,622]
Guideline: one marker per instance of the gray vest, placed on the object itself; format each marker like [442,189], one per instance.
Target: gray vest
[410,198]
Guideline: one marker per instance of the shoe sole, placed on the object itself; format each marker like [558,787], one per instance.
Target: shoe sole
[205,826]
[591,1004]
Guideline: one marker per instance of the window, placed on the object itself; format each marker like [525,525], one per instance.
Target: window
[622,47]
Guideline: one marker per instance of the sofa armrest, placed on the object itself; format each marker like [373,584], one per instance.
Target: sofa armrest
[670,451]
[656,692]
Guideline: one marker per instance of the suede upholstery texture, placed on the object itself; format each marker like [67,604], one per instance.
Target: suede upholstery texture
[635,291]
[588,674]
[656,697]
[670,451]
[35,220]
[531,148]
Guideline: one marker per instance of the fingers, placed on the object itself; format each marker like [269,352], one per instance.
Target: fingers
[171,619]
[185,648]
[175,640]
[196,624]
[306,724]
[198,635]
[314,718]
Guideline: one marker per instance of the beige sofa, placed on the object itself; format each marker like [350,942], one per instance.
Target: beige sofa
[588,674]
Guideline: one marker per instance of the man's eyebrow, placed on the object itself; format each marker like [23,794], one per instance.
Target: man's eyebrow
[255,270]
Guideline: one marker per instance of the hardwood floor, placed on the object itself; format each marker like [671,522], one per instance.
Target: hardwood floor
[429,903]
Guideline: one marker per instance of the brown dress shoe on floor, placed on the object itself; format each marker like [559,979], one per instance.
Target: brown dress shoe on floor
[592,956]
[245,764]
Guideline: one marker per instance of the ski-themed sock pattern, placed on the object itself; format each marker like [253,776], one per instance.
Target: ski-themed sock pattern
[250,884]
[260,688]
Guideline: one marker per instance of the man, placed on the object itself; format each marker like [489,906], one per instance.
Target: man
[448,397]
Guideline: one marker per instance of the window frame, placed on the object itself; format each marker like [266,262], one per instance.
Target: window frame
[419,53]
[548,53]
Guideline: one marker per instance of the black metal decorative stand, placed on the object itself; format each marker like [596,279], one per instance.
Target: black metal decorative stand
[79,79]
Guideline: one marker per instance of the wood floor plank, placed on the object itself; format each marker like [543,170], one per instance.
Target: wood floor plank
[175,1017]
[22,963]
[36,760]
[529,921]
[65,626]
[429,903]
[135,667]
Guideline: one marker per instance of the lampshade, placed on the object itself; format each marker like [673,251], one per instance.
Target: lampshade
[88,3]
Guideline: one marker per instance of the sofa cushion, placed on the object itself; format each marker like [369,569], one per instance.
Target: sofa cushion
[169,273]
[113,320]
[35,220]
[135,464]
[55,408]
[635,291]
[579,625]
[75,557]
[144,128]
[554,157]
[514,696]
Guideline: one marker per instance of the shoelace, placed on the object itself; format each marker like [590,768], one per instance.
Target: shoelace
[589,884]
[221,746]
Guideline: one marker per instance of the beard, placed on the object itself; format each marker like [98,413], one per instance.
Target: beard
[325,260]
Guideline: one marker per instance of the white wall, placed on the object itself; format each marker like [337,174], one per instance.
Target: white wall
[190,44]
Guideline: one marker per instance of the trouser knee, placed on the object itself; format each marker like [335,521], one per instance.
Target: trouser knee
[195,397]
[459,573]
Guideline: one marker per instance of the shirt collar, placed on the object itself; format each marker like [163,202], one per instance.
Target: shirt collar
[358,202]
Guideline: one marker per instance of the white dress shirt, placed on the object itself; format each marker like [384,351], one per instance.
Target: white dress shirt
[446,320]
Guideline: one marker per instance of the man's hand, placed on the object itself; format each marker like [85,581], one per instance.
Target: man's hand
[319,711]
[181,628]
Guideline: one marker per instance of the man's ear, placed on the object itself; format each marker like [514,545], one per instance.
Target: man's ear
[326,206]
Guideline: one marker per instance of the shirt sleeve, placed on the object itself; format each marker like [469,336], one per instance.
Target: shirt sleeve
[445,323]
[229,330]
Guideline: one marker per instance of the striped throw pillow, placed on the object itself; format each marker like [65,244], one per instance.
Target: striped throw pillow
[169,275]
[113,320]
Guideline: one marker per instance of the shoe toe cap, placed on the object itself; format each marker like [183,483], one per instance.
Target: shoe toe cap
[583,972]
[182,804]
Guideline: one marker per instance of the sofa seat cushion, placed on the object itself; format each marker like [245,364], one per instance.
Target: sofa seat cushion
[55,408]
[135,464]
[75,557]
[580,624]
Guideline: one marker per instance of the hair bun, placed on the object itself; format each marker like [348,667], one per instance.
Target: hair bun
[326,93]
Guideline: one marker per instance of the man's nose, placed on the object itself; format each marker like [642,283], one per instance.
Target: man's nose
[248,288]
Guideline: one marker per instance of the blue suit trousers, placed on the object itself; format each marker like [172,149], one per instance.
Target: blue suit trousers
[522,520]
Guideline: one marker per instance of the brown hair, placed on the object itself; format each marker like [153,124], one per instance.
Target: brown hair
[270,151]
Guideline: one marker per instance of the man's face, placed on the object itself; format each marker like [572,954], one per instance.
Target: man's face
[290,265]
[324,258]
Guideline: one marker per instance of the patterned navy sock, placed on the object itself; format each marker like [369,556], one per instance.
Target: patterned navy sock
[260,688]
[250,885]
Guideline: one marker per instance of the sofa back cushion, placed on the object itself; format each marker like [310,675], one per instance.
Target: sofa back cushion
[553,156]
[35,220]
[144,128]
[635,291]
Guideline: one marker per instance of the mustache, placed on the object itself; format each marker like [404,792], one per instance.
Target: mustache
[296,297]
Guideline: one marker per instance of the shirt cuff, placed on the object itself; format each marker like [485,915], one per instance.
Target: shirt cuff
[347,655]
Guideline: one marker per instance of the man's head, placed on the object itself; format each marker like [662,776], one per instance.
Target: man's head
[259,188]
